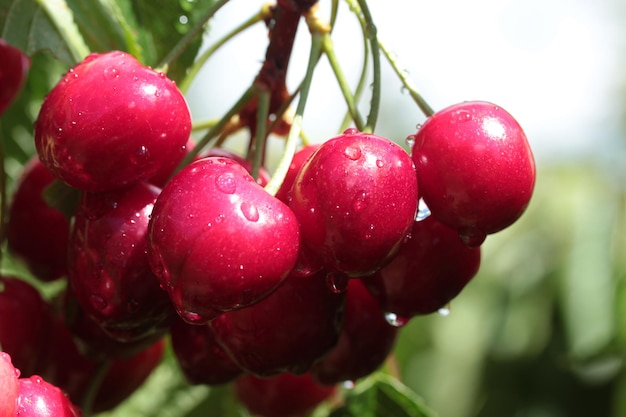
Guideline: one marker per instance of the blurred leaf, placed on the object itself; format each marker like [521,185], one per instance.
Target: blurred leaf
[34,26]
[382,396]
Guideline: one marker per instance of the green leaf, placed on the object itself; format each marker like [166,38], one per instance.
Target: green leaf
[35,26]
[382,396]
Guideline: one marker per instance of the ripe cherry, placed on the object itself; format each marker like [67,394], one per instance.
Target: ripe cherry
[288,331]
[39,398]
[218,241]
[355,199]
[15,66]
[430,269]
[284,395]
[111,122]
[9,387]
[475,167]
[299,158]
[36,232]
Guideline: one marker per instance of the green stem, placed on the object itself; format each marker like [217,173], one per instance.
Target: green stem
[296,127]
[204,125]
[218,127]
[406,82]
[262,113]
[94,387]
[197,65]
[372,34]
[184,42]
[329,50]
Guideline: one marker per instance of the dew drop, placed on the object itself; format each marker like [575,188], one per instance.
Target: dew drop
[97,302]
[423,212]
[191,317]
[359,203]
[394,320]
[250,211]
[444,311]
[140,155]
[226,183]
[352,152]
[410,141]
[462,116]
[337,282]
[351,131]
[348,385]
[380,163]
[111,73]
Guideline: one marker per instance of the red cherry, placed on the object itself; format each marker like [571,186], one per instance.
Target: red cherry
[355,199]
[38,398]
[284,395]
[475,167]
[264,176]
[9,387]
[13,71]
[299,158]
[218,241]
[111,122]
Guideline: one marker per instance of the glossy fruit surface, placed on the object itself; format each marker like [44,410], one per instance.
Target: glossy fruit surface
[288,331]
[24,322]
[475,167]
[285,395]
[36,232]
[108,264]
[9,387]
[429,270]
[13,71]
[263,176]
[201,358]
[218,241]
[111,122]
[365,341]
[355,199]
[299,158]
[38,398]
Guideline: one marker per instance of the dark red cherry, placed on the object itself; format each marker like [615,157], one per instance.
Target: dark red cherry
[299,158]
[13,71]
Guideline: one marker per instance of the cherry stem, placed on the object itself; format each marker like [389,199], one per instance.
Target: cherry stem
[406,81]
[258,147]
[94,387]
[294,132]
[371,33]
[184,42]
[199,63]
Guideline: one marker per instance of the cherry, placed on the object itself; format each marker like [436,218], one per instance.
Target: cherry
[39,398]
[111,122]
[430,269]
[15,66]
[299,158]
[355,199]
[24,321]
[108,264]
[365,341]
[9,387]
[475,167]
[201,358]
[284,395]
[288,331]
[263,177]
[36,232]
[218,241]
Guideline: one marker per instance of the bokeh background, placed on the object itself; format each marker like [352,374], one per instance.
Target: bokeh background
[541,331]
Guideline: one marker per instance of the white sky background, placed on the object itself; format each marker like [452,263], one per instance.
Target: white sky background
[556,65]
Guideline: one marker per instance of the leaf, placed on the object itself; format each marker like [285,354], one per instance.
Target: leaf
[382,396]
[45,25]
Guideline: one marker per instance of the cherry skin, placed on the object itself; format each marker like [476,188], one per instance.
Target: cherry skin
[284,395]
[111,122]
[299,158]
[9,387]
[430,269]
[355,199]
[365,341]
[288,331]
[39,398]
[24,321]
[15,66]
[475,167]
[36,232]
[218,241]
[201,358]
[264,176]
[108,264]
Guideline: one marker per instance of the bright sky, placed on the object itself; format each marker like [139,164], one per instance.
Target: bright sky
[556,65]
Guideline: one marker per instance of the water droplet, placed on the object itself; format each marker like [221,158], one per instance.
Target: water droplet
[191,317]
[111,73]
[97,302]
[394,320]
[404,90]
[359,203]
[423,212]
[183,20]
[348,385]
[250,211]
[418,126]
[337,282]
[226,183]
[380,163]
[444,311]
[351,131]
[140,155]
[410,141]
[462,116]
[352,152]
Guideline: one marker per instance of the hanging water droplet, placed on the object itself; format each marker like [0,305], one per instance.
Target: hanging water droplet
[423,212]
[226,183]
[352,152]
[444,311]
[410,141]
[250,211]
[337,282]
[394,320]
